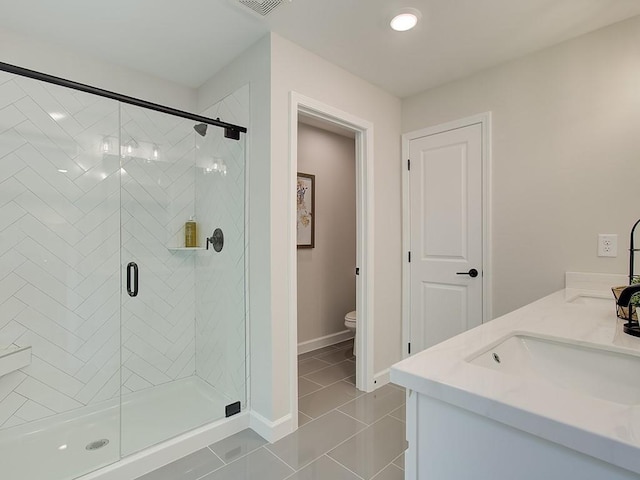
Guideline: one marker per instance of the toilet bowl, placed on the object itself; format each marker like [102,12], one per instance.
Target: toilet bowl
[350,320]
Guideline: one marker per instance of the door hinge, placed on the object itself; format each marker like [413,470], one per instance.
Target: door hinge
[409,348]
[357,270]
[409,164]
[409,257]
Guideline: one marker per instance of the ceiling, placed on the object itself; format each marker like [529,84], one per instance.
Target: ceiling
[188,41]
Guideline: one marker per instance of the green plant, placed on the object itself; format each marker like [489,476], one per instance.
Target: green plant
[635,299]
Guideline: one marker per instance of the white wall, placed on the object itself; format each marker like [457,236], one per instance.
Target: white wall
[47,58]
[274,67]
[326,277]
[295,69]
[565,151]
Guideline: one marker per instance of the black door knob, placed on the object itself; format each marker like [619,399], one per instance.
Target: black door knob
[473,273]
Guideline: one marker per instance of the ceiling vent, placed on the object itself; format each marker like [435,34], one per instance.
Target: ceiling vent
[263,7]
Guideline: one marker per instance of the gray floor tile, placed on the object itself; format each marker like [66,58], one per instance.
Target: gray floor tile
[399,387]
[334,373]
[311,365]
[371,407]
[260,464]
[324,468]
[302,419]
[305,387]
[390,473]
[399,462]
[190,467]
[316,438]
[400,413]
[320,402]
[337,356]
[328,445]
[313,353]
[372,449]
[237,445]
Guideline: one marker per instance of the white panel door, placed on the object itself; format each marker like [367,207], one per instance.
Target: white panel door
[445,183]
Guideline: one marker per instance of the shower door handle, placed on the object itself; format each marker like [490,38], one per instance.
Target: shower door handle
[132,279]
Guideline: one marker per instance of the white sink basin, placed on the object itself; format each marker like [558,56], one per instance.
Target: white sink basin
[600,373]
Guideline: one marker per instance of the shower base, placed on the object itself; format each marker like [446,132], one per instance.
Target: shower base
[56,448]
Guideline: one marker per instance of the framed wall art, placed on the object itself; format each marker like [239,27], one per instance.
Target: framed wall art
[305,206]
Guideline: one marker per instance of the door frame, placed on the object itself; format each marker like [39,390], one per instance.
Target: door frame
[484,119]
[363,130]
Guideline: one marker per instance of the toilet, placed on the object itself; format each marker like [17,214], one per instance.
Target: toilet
[350,320]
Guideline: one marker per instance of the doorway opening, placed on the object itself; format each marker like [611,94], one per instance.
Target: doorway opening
[310,111]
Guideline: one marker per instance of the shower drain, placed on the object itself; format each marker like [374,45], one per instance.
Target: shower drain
[97,444]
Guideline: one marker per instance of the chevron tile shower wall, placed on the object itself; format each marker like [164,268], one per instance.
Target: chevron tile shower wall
[158,195]
[87,185]
[60,247]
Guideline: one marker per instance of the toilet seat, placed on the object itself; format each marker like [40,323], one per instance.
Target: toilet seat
[351,319]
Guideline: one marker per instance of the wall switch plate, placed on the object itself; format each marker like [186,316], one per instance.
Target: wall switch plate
[608,245]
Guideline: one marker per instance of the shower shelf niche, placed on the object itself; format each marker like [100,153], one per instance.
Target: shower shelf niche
[14,358]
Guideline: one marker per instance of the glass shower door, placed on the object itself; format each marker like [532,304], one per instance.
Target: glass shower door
[158,283]
[220,274]
[119,337]
[59,281]
[164,392]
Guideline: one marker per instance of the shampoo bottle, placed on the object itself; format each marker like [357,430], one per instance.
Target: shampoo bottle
[191,233]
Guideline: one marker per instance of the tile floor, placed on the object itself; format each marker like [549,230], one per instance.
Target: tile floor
[344,434]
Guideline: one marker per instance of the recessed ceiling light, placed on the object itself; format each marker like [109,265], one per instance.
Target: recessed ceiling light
[405,20]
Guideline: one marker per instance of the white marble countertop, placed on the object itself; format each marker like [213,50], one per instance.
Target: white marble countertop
[603,429]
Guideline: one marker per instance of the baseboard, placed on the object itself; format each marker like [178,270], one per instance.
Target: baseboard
[325,341]
[381,378]
[270,431]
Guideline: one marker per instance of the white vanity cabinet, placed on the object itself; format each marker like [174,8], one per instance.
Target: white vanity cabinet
[528,421]
[447,442]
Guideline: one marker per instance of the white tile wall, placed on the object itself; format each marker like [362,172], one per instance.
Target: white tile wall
[59,269]
[157,198]
[60,248]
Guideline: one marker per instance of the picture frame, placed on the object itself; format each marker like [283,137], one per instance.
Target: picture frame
[305,207]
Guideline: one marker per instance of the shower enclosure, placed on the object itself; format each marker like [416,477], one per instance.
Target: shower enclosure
[114,336]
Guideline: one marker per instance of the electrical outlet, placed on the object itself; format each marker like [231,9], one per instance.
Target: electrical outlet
[608,245]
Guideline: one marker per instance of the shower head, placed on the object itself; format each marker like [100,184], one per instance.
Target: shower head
[201,128]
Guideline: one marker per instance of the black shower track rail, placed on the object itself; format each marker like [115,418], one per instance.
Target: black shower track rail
[230,130]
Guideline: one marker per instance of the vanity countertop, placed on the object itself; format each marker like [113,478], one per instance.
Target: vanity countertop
[603,429]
